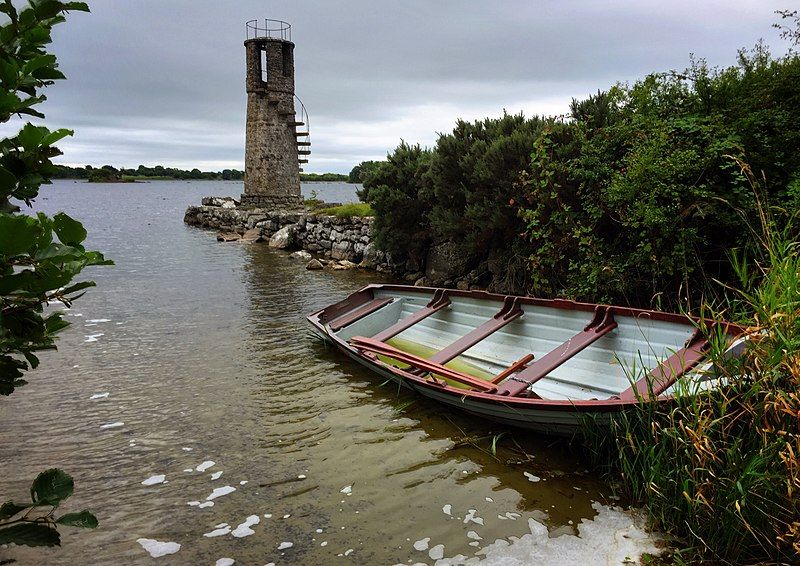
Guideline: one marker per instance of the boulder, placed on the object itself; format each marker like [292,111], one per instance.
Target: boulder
[252,235]
[446,261]
[341,249]
[221,202]
[283,238]
[314,264]
[370,257]
[302,254]
[228,237]
[340,265]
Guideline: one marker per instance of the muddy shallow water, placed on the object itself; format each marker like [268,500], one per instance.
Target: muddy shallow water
[192,360]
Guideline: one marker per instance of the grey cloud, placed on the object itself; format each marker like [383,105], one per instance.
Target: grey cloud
[154,81]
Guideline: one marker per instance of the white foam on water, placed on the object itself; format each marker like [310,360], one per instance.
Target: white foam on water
[243,482]
[268,515]
[98,320]
[489,499]
[158,548]
[301,477]
[220,491]
[221,525]
[244,530]
[531,477]
[284,545]
[186,449]
[112,425]
[436,552]
[474,543]
[205,465]
[513,516]
[348,552]
[188,470]
[153,480]
[225,562]
[193,503]
[216,475]
[218,532]
[93,338]
[347,490]
[98,396]
[422,544]
[474,536]
[286,516]
[206,504]
[319,530]
[613,536]
[472,517]
[502,517]
[446,509]
[324,543]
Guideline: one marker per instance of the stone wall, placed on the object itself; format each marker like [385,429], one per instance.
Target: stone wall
[344,241]
[327,237]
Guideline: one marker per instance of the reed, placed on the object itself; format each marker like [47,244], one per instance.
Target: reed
[720,469]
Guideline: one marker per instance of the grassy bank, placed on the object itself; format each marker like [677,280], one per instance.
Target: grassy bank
[720,470]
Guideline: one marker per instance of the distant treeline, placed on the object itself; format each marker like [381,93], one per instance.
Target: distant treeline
[110,174]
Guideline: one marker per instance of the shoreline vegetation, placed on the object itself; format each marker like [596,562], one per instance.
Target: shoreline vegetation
[111,174]
[678,192]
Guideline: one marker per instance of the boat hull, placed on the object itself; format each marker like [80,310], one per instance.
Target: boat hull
[369,312]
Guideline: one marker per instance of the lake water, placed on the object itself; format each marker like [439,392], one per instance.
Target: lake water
[191,351]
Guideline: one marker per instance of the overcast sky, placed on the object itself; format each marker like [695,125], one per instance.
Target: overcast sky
[162,81]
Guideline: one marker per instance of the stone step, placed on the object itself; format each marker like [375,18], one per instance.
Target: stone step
[292,124]
[302,160]
[303,152]
[301,134]
[306,143]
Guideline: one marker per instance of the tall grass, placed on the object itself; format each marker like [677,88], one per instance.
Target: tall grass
[720,469]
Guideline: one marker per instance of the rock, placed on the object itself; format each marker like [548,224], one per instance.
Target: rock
[302,254]
[341,249]
[462,285]
[283,238]
[221,202]
[421,282]
[411,277]
[314,264]
[228,237]
[344,264]
[446,261]
[370,257]
[252,235]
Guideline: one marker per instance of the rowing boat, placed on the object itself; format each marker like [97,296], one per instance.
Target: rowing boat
[534,363]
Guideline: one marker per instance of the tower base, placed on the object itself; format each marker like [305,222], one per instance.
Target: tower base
[272,202]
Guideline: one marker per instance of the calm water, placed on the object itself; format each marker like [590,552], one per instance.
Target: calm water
[203,352]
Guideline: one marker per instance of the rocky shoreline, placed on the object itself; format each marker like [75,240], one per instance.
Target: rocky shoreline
[329,241]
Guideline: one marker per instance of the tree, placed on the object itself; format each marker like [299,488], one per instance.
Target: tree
[39,256]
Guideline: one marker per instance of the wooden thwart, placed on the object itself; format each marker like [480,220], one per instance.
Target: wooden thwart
[360,312]
[668,372]
[602,323]
[439,301]
[510,311]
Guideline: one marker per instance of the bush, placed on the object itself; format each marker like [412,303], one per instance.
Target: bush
[721,469]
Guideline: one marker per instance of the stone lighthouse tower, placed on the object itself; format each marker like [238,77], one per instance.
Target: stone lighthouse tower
[277,139]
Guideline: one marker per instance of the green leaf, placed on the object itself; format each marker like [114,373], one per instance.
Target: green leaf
[17,234]
[39,62]
[51,487]
[9,509]
[78,6]
[77,287]
[30,136]
[8,181]
[68,230]
[83,519]
[30,534]
[32,360]
[56,135]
